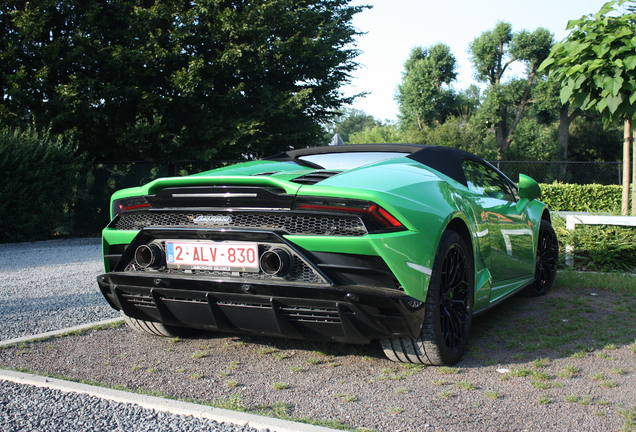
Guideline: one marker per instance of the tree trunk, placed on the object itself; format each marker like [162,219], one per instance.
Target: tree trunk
[565,120]
[522,105]
[502,134]
[626,167]
[628,123]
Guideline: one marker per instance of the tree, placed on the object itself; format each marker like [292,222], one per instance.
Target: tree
[350,122]
[548,103]
[421,96]
[491,54]
[164,80]
[596,67]
[379,134]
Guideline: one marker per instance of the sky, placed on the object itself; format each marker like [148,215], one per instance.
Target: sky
[394,27]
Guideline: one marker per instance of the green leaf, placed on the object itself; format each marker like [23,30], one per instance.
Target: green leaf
[617,84]
[595,65]
[574,23]
[580,80]
[630,62]
[612,85]
[598,80]
[625,31]
[574,69]
[581,99]
[546,63]
[566,92]
[632,98]
[607,7]
[580,47]
[613,102]
[601,50]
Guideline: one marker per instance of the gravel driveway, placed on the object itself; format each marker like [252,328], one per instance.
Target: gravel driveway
[52,285]
[562,362]
[49,286]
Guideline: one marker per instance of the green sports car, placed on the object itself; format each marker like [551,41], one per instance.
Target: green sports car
[396,242]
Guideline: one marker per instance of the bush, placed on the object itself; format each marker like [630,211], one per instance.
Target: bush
[101,181]
[598,247]
[40,175]
[593,198]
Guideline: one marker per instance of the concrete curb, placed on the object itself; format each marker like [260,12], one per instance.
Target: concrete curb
[167,405]
[151,402]
[55,333]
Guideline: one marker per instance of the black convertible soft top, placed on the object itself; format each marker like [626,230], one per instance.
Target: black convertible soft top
[446,160]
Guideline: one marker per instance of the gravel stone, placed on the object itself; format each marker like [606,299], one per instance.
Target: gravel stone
[28,408]
[50,285]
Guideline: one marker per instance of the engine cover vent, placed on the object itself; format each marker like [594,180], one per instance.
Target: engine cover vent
[315,177]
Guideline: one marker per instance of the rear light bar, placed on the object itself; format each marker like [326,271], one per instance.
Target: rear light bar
[382,218]
[126,204]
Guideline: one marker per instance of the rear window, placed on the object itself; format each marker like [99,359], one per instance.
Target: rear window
[347,161]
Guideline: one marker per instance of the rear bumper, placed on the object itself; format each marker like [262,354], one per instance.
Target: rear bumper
[346,314]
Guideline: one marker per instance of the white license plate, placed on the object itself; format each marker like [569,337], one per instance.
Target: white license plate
[212,256]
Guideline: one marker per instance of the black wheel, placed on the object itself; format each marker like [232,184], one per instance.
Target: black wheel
[547,259]
[449,305]
[155,328]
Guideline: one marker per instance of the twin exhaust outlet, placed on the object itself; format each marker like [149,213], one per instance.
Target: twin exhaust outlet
[274,262]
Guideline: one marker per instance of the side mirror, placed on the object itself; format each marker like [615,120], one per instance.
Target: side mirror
[528,188]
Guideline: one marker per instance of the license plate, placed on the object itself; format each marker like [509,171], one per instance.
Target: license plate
[217,256]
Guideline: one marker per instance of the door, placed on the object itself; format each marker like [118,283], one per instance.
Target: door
[510,232]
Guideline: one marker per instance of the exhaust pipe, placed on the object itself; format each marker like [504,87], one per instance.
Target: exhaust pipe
[276,262]
[149,256]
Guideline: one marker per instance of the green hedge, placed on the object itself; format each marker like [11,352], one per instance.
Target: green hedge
[40,175]
[593,198]
[598,247]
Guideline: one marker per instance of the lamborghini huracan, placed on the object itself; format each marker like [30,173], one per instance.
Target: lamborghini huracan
[396,242]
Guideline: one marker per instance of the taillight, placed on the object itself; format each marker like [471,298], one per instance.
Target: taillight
[368,210]
[126,204]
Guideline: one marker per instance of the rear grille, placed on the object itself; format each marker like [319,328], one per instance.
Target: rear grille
[293,224]
[139,300]
[310,314]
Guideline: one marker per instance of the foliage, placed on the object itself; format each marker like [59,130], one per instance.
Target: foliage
[421,97]
[596,63]
[585,198]
[600,248]
[40,178]
[100,182]
[380,134]
[463,134]
[350,122]
[590,141]
[533,141]
[170,80]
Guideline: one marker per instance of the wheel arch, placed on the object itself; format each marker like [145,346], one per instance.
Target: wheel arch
[546,216]
[461,227]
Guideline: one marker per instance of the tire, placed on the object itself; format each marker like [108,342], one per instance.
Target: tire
[547,259]
[449,306]
[156,329]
